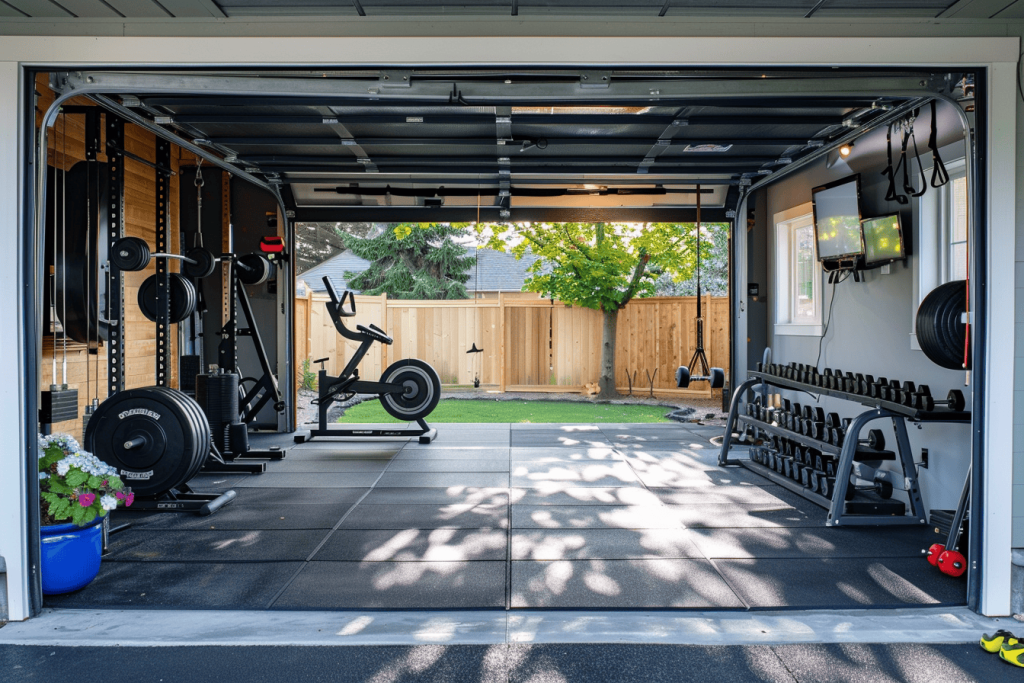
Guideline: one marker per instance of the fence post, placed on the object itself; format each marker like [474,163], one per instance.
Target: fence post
[501,349]
[384,326]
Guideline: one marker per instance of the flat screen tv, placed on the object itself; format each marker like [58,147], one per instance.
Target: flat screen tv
[883,240]
[837,220]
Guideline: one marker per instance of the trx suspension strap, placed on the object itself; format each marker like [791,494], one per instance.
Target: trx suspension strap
[890,194]
[908,134]
[939,175]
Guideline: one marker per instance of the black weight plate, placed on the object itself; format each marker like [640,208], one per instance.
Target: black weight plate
[205,263]
[183,298]
[189,418]
[130,253]
[200,425]
[424,389]
[166,458]
[253,269]
[940,330]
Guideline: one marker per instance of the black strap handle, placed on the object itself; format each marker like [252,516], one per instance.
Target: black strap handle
[890,193]
[939,175]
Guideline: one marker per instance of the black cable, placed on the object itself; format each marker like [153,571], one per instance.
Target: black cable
[828,321]
[1020,90]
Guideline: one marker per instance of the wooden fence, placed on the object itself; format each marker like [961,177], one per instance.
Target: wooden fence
[528,344]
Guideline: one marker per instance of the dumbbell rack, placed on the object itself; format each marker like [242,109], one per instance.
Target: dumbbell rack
[846,466]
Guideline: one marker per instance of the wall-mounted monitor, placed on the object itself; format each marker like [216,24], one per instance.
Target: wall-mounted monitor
[883,240]
[837,220]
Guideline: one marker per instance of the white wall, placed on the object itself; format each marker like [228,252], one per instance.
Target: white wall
[485,48]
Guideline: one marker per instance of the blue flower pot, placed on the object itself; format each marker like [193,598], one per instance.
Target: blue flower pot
[70,557]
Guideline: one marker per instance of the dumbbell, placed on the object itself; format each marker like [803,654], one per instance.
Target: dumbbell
[905,394]
[716,377]
[132,254]
[923,400]
[875,390]
[865,384]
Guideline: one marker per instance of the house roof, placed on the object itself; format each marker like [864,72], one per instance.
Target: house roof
[494,271]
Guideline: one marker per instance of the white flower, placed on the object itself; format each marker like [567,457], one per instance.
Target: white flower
[108,502]
[63,466]
[43,475]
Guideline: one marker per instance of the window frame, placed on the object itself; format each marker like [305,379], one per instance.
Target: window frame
[784,282]
[930,252]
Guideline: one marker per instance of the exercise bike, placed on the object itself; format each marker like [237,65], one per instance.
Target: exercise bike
[409,389]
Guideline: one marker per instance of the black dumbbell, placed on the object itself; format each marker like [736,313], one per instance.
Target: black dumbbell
[883,488]
[905,395]
[875,390]
[716,377]
[865,385]
[826,486]
[923,400]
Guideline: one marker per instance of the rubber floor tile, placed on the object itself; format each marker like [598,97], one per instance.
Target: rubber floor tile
[415,545]
[558,440]
[245,517]
[450,465]
[671,474]
[745,516]
[443,479]
[841,583]
[396,585]
[433,495]
[418,516]
[314,480]
[700,495]
[611,663]
[563,453]
[207,481]
[592,517]
[637,584]
[567,494]
[602,544]
[295,496]
[334,465]
[451,453]
[198,545]
[830,542]
[528,474]
[894,663]
[180,585]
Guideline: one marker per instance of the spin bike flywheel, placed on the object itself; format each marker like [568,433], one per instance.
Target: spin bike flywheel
[422,389]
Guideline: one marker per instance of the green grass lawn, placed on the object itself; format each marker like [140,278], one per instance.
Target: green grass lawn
[456,410]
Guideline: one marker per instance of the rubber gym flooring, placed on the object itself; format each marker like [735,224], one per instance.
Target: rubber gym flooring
[511,516]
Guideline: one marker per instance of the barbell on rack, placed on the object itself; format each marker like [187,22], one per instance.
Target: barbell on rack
[132,254]
[716,377]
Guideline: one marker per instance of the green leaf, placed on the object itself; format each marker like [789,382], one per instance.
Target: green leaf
[94,482]
[76,477]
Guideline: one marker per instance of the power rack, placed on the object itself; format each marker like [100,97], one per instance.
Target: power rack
[853,456]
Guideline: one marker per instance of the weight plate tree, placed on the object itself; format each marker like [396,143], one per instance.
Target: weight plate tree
[157,438]
[940,326]
[422,389]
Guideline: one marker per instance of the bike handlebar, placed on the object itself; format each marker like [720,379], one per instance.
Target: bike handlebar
[339,302]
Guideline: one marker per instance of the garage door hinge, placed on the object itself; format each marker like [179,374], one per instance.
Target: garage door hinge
[595,79]
[396,79]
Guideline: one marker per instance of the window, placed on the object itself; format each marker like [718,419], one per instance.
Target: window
[797,274]
[939,250]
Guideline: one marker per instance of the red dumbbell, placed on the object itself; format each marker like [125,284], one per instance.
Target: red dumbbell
[952,563]
[934,551]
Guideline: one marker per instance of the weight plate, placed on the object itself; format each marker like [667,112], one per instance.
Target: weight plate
[183,298]
[939,326]
[682,377]
[201,426]
[423,389]
[149,435]
[130,253]
[253,269]
[205,263]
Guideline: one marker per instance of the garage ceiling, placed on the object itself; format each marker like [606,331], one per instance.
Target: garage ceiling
[519,144]
[795,9]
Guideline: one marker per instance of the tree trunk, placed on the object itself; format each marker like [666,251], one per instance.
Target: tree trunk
[606,382]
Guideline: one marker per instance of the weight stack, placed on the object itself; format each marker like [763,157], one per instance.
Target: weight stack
[59,404]
[188,369]
[217,395]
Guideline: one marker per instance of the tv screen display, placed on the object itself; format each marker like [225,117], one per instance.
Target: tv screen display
[883,239]
[837,219]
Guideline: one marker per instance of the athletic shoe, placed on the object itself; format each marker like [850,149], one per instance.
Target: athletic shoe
[993,643]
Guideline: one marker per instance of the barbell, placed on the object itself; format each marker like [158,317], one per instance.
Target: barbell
[716,377]
[132,254]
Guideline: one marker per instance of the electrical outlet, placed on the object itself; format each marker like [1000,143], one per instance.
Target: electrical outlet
[924,458]
[886,269]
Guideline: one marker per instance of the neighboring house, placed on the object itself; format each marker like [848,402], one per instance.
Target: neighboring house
[494,272]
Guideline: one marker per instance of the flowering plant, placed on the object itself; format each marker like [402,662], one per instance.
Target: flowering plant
[76,485]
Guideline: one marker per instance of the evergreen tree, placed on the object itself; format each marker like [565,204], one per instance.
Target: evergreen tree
[425,263]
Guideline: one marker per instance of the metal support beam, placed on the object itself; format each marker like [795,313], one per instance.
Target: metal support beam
[511,143]
[163,274]
[115,278]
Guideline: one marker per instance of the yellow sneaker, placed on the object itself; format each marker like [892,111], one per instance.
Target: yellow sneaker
[993,643]
[1013,654]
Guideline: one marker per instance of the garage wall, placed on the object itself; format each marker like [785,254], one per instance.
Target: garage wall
[870,327]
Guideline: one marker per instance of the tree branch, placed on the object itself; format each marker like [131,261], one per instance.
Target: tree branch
[634,282]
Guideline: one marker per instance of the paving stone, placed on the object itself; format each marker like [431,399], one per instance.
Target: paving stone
[447,480]
[415,545]
[563,494]
[527,474]
[593,517]
[602,544]
[426,495]
[417,516]
[309,480]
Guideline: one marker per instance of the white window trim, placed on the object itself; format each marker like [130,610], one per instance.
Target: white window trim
[929,251]
[787,328]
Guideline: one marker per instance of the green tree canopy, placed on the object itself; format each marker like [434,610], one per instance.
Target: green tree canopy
[425,263]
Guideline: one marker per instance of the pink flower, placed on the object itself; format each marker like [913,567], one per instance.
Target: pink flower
[129,499]
[120,495]
[86,499]
[104,482]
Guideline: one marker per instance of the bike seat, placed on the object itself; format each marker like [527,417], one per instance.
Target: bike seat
[375,332]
